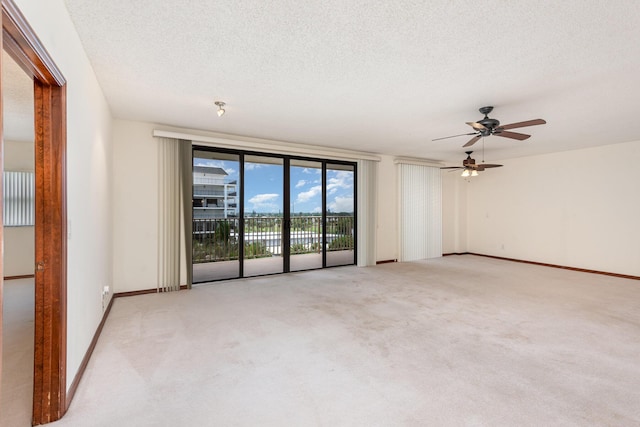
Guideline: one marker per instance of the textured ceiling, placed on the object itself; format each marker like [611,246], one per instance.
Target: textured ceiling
[17,102]
[378,76]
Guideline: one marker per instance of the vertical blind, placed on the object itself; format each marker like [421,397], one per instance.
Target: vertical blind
[174,214]
[169,216]
[367,211]
[18,199]
[420,212]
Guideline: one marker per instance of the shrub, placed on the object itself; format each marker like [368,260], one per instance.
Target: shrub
[341,243]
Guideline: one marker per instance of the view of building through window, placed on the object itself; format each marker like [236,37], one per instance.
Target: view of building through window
[312,240]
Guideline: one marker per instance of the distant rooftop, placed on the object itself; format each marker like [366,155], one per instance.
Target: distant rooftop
[210,170]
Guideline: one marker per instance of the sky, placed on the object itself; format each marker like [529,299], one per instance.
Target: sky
[264,182]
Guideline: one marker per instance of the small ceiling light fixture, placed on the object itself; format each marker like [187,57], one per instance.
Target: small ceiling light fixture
[467,172]
[221,110]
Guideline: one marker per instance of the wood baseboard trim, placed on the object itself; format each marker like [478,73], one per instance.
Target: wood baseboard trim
[134,293]
[85,360]
[564,267]
[456,253]
[386,261]
[23,276]
[143,292]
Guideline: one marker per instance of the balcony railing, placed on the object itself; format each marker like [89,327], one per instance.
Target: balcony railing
[216,239]
[197,192]
[199,180]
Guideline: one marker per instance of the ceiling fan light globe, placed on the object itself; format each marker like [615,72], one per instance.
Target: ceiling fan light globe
[474,173]
[465,173]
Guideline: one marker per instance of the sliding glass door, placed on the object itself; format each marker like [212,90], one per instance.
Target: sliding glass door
[263,215]
[306,230]
[340,214]
[216,228]
[256,214]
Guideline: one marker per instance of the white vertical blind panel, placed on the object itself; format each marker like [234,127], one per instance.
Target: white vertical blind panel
[420,212]
[18,199]
[169,216]
[367,211]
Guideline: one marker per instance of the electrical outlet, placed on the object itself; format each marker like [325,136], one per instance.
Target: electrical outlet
[105,298]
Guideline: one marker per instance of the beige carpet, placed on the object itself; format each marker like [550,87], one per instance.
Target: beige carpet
[453,341]
[17,353]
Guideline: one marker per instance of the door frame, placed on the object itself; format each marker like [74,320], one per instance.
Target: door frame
[50,122]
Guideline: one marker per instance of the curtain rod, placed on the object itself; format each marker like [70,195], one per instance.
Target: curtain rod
[266,145]
[417,161]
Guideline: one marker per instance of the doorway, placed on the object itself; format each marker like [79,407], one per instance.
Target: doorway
[49,366]
[257,214]
[18,242]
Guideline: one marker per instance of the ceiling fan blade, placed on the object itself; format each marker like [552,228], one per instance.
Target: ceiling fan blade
[472,141]
[513,135]
[524,124]
[476,126]
[488,165]
[452,167]
[453,136]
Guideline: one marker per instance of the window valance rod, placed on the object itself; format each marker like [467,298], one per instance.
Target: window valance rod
[267,145]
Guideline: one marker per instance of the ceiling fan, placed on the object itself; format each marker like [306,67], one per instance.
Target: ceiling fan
[488,126]
[470,167]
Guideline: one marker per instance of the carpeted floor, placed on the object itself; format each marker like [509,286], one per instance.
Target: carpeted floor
[458,340]
[17,353]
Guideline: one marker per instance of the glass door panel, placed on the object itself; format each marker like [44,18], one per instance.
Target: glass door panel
[305,232]
[340,196]
[215,216]
[263,215]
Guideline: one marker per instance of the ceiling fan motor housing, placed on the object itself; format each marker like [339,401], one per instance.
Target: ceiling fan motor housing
[490,124]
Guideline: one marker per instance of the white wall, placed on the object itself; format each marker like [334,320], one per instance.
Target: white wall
[19,250]
[88,176]
[135,206]
[576,208]
[387,231]
[454,212]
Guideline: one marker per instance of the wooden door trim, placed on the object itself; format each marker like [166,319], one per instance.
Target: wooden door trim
[1,217]
[22,44]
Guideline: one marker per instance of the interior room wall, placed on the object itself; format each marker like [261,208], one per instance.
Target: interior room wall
[88,176]
[19,247]
[454,212]
[135,206]
[387,230]
[576,208]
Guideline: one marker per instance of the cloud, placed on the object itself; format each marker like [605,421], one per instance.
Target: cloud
[305,196]
[264,202]
[317,209]
[341,204]
[264,198]
[316,171]
[332,191]
[340,179]
[301,183]
[251,166]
